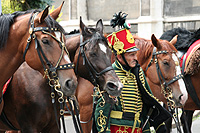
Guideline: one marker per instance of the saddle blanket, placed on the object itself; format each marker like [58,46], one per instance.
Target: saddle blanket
[188,54]
[6,85]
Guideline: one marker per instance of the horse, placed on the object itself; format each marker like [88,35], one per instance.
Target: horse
[31,36]
[28,104]
[185,40]
[168,64]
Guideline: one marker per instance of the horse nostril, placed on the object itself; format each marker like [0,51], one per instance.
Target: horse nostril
[68,83]
[111,86]
[181,99]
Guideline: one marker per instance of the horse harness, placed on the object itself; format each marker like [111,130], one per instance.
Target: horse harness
[54,81]
[167,91]
[94,75]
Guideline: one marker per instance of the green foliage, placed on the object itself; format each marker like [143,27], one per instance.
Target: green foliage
[59,17]
[10,6]
[6,7]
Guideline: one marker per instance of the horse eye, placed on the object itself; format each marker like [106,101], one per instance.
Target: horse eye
[45,41]
[165,63]
[93,54]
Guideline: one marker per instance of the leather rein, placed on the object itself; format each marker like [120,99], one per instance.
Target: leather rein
[50,72]
[94,75]
[167,91]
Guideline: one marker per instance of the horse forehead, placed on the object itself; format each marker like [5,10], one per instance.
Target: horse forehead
[174,57]
[58,35]
[102,47]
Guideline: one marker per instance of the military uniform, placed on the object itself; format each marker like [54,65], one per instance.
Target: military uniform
[133,105]
[129,113]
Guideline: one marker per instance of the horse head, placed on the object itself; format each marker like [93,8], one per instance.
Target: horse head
[163,71]
[92,59]
[46,51]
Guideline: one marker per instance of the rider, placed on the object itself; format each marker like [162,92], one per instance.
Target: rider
[136,109]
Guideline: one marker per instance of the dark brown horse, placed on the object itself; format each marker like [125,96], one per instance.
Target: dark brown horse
[168,63]
[28,103]
[27,37]
[192,71]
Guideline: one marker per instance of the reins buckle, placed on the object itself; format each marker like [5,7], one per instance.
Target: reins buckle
[30,30]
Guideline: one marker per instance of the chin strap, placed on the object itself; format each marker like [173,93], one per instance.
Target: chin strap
[123,57]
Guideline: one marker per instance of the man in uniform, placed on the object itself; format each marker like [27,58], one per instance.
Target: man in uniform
[136,108]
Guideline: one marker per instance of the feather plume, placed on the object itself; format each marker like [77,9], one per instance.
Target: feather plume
[118,19]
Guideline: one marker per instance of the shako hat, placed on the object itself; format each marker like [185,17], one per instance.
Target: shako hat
[122,40]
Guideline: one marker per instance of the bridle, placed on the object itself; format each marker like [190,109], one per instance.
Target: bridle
[94,75]
[47,30]
[167,91]
[50,71]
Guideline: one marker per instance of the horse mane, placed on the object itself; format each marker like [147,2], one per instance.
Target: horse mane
[6,20]
[185,37]
[144,44]
[73,33]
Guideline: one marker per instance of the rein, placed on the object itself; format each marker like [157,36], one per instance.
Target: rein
[167,91]
[94,76]
[47,30]
[54,80]
[88,64]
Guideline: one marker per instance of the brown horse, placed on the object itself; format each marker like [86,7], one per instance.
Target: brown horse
[168,63]
[28,103]
[27,37]
[185,40]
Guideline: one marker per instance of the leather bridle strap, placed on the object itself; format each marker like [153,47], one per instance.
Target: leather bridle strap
[165,84]
[160,75]
[89,66]
[40,52]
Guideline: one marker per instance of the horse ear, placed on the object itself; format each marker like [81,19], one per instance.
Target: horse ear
[99,26]
[174,40]
[42,15]
[155,41]
[82,27]
[56,12]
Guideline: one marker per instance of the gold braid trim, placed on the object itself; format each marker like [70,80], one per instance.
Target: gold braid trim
[130,93]
[101,120]
[160,126]
[136,119]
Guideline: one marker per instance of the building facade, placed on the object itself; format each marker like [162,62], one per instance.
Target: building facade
[146,17]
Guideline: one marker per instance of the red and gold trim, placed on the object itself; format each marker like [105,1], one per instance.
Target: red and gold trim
[122,41]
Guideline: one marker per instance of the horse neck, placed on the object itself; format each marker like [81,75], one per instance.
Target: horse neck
[12,53]
[73,45]
[145,53]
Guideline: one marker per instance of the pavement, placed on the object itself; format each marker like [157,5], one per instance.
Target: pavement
[195,125]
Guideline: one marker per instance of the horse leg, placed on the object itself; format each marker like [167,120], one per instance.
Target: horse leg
[84,96]
[186,120]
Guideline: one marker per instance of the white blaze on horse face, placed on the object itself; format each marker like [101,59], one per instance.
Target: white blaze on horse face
[66,57]
[180,81]
[58,35]
[103,47]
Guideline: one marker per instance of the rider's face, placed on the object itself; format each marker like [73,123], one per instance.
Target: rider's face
[130,57]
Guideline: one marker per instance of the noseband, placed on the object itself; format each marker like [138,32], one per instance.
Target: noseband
[89,66]
[165,85]
[51,70]
[41,54]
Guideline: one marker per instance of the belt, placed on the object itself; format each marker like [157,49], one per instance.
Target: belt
[122,115]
